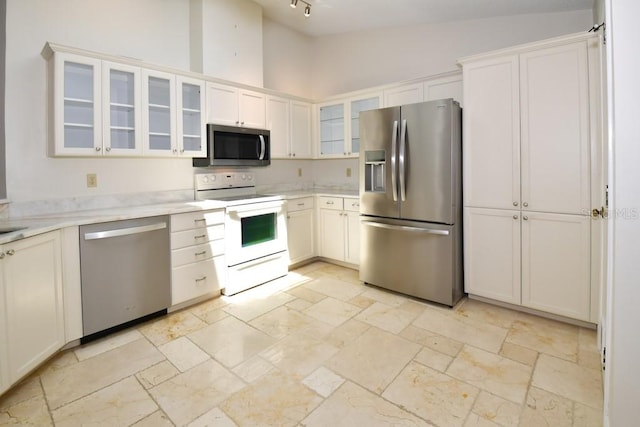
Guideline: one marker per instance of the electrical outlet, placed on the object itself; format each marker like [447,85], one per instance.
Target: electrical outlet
[299,171]
[348,172]
[92,180]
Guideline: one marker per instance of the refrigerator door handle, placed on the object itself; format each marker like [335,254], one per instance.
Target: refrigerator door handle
[402,172]
[406,228]
[394,143]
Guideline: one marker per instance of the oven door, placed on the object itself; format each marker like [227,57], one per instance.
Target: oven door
[255,230]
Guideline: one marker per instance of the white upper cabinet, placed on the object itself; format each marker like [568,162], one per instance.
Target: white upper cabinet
[228,105]
[301,136]
[122,118]
[75,107]
[278,123]
[356,106]
[332,135]
[491,142]
[443,88]
[554,95]
[402,95]
[290,124]
[192,138]
[159,113]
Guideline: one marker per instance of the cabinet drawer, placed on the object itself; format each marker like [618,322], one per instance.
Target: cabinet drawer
[330,203]
[197,279]
[197,253]
[197,236]
[352,205]
[300,204]
[188,221]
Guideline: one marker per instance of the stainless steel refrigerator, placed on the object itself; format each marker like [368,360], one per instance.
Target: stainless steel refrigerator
[410,200]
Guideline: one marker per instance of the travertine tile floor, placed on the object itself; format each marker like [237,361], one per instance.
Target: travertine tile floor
[318,348]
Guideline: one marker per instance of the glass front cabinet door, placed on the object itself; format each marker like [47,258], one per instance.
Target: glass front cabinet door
[356,106]
[191,125]
[77,106]
[121,90]
[332,131]
[159,113]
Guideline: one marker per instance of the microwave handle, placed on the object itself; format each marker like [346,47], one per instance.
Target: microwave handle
[262,147]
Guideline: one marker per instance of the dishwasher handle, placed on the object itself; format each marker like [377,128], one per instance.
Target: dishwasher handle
[124,231]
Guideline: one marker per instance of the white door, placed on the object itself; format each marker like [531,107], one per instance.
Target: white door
[252,109]
[34,305]
[332,234]
[222,104]
[122,115]
[158,113]
[300,235]
[301,140]
[491,133]
[554,92]
[278,125]
[556,263]
[492,253]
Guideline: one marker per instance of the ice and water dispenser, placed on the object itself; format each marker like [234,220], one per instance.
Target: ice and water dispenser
[374,171]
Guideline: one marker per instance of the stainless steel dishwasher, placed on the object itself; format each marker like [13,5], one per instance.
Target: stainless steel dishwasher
[125,271]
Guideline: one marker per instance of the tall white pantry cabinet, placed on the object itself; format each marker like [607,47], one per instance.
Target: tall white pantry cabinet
[532,175]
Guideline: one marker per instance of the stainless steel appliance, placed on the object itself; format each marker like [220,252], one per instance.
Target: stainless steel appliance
[410,200]
[235,146]
[255,229]
[125,273]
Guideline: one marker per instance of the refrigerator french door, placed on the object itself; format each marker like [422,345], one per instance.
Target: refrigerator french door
[410,200]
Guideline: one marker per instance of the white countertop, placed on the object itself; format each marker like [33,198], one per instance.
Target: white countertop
[31,226]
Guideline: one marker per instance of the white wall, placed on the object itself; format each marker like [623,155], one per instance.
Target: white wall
[346,62]
[623,349]
[288,60]
[231,44]
[137,29]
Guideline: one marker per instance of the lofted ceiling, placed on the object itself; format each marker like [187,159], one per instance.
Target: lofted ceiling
[342,16]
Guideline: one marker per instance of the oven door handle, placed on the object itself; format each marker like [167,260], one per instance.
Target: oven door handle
[263,147]
[263,208]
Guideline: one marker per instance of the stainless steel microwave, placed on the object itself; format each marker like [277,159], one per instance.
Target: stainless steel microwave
[235,146]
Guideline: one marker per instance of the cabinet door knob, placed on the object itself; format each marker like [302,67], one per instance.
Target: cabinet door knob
[515,217]
[1,255]
[525,204]
[237,122]
[515,203]
[242,123]
[11,252]
[294,154]
[98,148]
[108,148]
[525,218]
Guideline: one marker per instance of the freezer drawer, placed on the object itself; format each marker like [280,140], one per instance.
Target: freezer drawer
[418,259]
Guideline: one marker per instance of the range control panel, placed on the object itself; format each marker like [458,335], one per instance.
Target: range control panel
[215,181]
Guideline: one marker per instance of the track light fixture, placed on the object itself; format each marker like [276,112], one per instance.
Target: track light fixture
[307,7]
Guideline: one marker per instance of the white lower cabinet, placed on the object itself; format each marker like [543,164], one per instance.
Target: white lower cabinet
[300,227]
[198,266]
[556,263]
[339,228]
[534,259]
[31,305]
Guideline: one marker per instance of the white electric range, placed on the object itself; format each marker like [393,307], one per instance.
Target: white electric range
[255,229]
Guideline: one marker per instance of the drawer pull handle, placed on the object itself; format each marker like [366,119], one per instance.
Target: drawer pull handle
[201,236]
[202,279]
[200,253]
[329,203]
[300,204]
[355,205]
[199,220]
